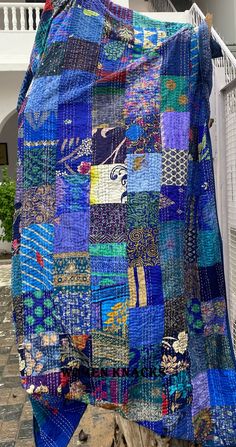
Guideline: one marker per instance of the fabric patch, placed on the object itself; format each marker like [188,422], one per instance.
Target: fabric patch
[211,284]
[172,278]
[171,241]
[71,269]
[71,232]
[75,122]
[174,94]
[142,209]
[176,55]
[206,212]
[142,247]
[52,61]
[108,264]
[172,203]
[85,19]
[218,352]
[73,156]
[225,380]
[174,167]
[37,257]
[73,307]
[48,86]
[144,172]
[214,316]
[59,27]
[72,193]
[80,86]
[175,320]
[209,248]
[108,184]
[109,350]
[108,109]
[146,325]
[38,312]
[197,354]
[40,129]
[42,354]
[108,223]
[177,390]
[76,57]
[175,130]
[39,167]
[194,316]
[145,286]
[201,397]
[108,145]
[38,205]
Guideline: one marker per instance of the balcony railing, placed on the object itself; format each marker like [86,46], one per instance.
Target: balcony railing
[20,16]
[163,6]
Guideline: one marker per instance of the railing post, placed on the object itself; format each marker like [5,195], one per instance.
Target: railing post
[22,18]
[6,18]
[14,20]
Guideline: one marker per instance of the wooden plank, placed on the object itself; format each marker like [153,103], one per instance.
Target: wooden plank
[105,428]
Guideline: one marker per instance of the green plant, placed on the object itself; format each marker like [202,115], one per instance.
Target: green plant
[7,196]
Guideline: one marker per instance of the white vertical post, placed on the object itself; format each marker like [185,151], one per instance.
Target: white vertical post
[22,18]
[37,10]
[14,21]
[30,9]
[6,18]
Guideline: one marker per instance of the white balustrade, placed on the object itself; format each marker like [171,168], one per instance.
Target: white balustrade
[20,16]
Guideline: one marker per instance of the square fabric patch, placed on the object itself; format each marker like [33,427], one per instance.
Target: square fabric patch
[75,122]
[84,20]
[108,265]
[74,155]
[108,145]
[40,129]
[39,167]
[146,325]
[174,167]
[38,205]
[52,60]
[108,110]
[76,57]
[142,209]
[211,284]
[80,83]
[37,257]
[172,203]
[108,223]
[71,269]
[39,312]
[108,183]
[72,193]
[72,231]
[144,172]
[48,86]
[209,248]
[171,241]
[142,247]
[214,316]
[109,350]
[176,55]
[145,286]
[225,381]
[73,310]
[174,94]
[175,129]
